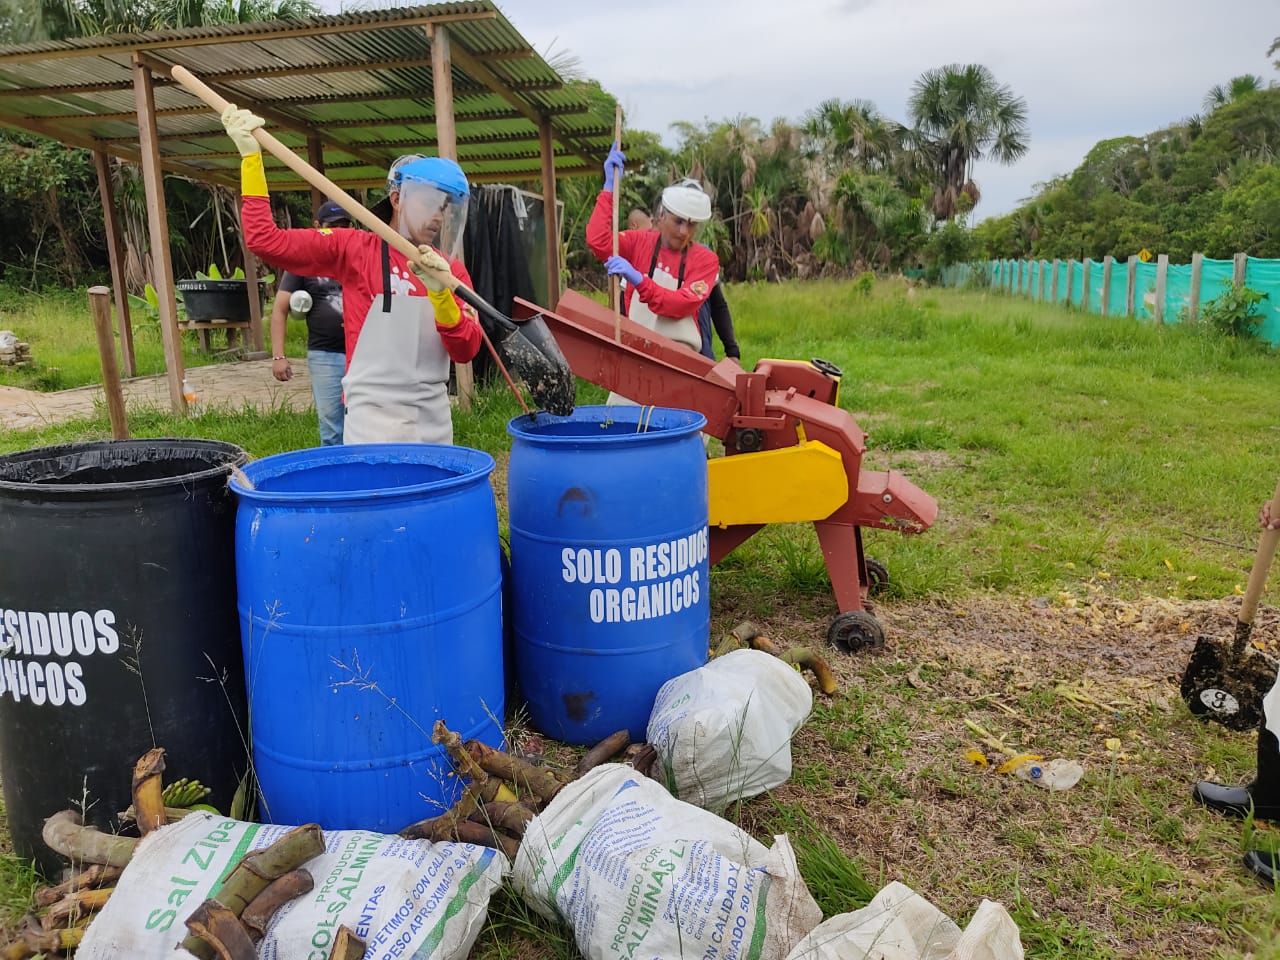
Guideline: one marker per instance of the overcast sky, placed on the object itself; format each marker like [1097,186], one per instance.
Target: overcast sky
[1088,70]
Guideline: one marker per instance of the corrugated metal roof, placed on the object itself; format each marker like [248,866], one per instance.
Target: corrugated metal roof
[359,82]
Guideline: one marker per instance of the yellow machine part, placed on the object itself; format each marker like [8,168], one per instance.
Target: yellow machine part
[792,485]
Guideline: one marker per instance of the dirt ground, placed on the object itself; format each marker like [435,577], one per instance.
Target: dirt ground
[232,384]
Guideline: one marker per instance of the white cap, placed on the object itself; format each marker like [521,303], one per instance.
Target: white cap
[300,301]
[687,199]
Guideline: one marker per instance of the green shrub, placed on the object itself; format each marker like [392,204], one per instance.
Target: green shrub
[1234,312]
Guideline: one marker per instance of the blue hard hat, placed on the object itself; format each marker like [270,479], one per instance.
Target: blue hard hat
[439,172]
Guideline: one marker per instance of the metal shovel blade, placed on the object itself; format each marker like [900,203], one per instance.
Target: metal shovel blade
[528,351]
[1224,687]
[531,351]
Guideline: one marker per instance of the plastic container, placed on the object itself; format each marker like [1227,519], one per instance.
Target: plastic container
[118,627]
[609,563]
[370,607]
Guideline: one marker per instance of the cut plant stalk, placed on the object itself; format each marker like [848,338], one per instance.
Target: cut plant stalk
[64,833]
[254,873]
[148,791]
[279,891]
[347,945]
[527,779]
[602,752]
[220,932]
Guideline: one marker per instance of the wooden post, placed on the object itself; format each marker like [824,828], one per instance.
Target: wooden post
[158,224]
[1053,295]
[1239,268]
[447,147]
[1162,276]
[550,217]
[1043,264]
[100,308]
[315,157]
[1084,284]
[1131,288]
[1107,263]
[1022,271]
[115,255]
[254,291]
[1071,276]
[1193,298]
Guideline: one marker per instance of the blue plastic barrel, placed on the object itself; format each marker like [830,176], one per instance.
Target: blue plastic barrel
[608,563]
[370,597]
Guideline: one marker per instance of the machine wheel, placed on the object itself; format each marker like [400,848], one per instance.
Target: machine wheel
[877,576]
[856,631]
[827,367]
[749,440]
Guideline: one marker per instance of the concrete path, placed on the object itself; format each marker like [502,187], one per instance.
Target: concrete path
[219,384]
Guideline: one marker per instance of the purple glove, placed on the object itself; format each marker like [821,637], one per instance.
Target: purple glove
[611,163]
[622,267]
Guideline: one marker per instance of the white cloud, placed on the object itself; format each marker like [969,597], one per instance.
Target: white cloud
[1088,70]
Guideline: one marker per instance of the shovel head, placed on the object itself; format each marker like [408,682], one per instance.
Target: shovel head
[529,351]
[1227,689]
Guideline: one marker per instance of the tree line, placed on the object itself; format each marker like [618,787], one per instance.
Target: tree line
[1208,184]
[844,188]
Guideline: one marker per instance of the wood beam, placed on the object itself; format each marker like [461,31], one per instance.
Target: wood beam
[496,176]
[315,157]
[551,223]
[115,256]
[447,147]
[320,26]
[157,221]
[267,113]
[359,66]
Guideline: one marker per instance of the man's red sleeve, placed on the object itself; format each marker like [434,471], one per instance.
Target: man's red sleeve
[307,252]
[462,340]
[701,271]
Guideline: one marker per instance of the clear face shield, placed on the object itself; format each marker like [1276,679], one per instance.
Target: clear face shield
[431,214]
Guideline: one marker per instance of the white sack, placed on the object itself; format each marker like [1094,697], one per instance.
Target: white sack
[899,924]
[723,731]
[398,895]
[638,874]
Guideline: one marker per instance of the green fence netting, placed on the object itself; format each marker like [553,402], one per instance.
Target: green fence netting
[1064,281]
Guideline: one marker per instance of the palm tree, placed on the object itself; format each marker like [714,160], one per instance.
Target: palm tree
[1237,88]
[962,115]
[853,133]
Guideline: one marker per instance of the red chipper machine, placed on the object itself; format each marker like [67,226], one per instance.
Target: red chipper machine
[791,454]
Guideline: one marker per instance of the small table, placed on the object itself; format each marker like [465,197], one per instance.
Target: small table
[202,328]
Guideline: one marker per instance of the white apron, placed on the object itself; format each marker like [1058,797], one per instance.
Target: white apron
[684,330]
[396,387]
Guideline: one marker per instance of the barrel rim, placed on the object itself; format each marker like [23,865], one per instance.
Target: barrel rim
[626,413]
[235,456]
[482,466]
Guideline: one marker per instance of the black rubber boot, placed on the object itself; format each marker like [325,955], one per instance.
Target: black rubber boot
[1266,865]
[1261,795]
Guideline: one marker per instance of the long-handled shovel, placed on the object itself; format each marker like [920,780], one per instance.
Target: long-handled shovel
[1225,680]
[528,347]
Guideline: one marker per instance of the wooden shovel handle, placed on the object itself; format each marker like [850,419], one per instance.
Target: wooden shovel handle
[615,283]
[1261,567]
[197,87]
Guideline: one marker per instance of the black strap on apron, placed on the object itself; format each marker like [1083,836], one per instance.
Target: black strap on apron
[653,264]
[386,278]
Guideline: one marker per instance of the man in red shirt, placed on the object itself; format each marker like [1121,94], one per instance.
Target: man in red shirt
[401,327]
[668,274]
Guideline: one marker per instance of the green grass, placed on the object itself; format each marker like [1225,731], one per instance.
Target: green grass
[1073,457]
[59,328]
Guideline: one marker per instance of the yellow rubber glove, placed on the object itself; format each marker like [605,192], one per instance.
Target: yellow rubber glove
[240,125]
[429,261]
[446,307]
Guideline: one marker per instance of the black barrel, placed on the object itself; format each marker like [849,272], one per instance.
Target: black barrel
[118,627]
